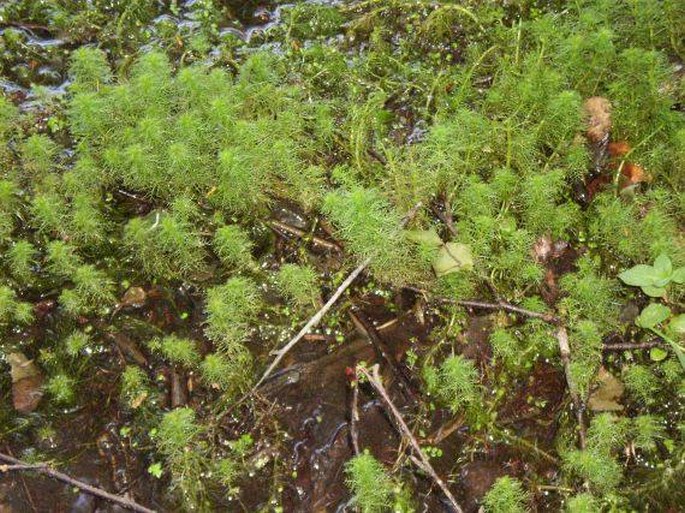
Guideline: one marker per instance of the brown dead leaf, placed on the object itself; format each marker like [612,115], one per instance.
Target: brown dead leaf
[618,149]
[27,382]
[607,394]
[134,296]
[598,112]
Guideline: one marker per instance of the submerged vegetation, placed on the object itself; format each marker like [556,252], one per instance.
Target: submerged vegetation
[511,172]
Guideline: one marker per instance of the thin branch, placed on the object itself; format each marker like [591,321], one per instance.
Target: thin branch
[354,416]
[313,321]
[627,346]
[366,328]
[322,312]
[565,352]
[445,430]
[500,305]
[279,227]
[503,305]
[42,468]
[419,458]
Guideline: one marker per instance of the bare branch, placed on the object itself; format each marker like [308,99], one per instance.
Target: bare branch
[419,458]
[565,352]
[42,468]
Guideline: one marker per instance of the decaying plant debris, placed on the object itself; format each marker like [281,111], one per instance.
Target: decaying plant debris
[368,256]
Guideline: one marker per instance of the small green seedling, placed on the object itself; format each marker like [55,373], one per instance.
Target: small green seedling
[655,315]
[653,280]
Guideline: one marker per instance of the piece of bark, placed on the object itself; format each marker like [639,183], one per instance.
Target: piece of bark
[27,382]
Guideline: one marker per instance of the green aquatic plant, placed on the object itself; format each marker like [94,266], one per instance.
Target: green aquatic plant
[370,483]
[38,155]
[506,495]
[230,309]
[12,309]
[62,388]
[89,70]
[75,343]
[582,503]
[233,247]
[21,260]
[299,284]
[179,350]
[93,290]
[601,471]
[372,229]
[641,383]
[454,382]
[178,438]
[647,431]
[135,387]
[229,370]
[166,244]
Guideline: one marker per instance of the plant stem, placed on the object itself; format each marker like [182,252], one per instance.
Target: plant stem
[419,458]
[44,469]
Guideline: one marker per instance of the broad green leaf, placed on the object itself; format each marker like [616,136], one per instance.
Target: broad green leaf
[653,315]
[678,276]
[429,237]
[663,266]
[639,276]
[656,354]
[451,258]
[653,291]
[677,324]
[678,352]
[661,282]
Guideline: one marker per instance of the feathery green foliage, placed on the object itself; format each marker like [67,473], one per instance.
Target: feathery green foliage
[369,482]
[507,495]
[641,383]
[372,229]
[454,382]
[230,309]
[20,259]
[299,284]
[76,343]
[582,503]
[178,350]
[233,247]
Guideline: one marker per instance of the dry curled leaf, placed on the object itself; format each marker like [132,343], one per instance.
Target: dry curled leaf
[598,113]
[607,394]
[27,382]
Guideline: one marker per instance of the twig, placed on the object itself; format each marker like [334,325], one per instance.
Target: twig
[29,497]
[366,327]
[354,416]
[278,225]
[503,305]
[626,346]
[312,322]
[419,458]
[445,430]
[565,352]
[324,309]
[42,468]
[500,305]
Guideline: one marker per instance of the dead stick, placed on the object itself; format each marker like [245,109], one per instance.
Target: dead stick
[500,305]
[313,321]
[365,326]
[42,468]
[324,309]
[565,352]
[278,225]
[354,417]
[420,458]
[625,346]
